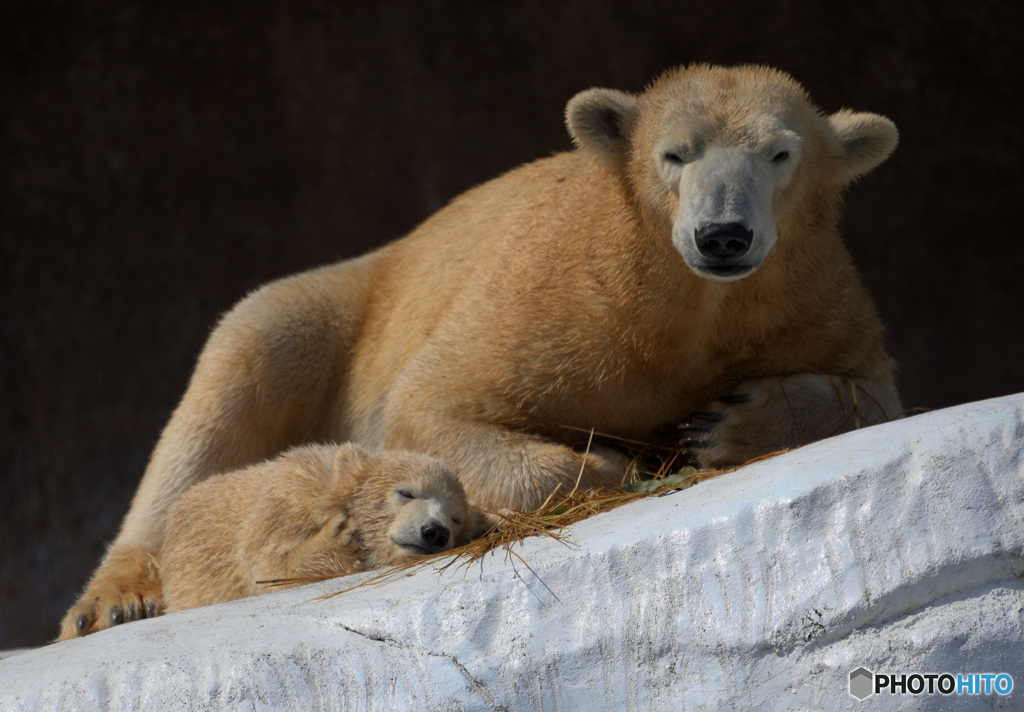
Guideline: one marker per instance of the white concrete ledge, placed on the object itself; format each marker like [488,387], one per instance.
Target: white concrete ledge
[899,548]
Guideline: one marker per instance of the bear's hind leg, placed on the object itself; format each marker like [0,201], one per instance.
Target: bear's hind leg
[266,381]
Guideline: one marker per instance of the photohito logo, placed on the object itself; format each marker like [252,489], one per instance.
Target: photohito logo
[864,683]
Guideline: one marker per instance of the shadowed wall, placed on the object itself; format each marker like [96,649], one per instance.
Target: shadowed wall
[158,161]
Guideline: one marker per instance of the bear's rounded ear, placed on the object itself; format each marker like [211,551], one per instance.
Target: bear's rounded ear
[600,122]
[347,460]
[350,454]
[865,140]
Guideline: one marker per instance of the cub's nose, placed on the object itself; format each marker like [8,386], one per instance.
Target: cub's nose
[723,241]
[435,536]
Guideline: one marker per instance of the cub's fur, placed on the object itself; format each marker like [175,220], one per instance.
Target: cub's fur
[682,267]
[314,510]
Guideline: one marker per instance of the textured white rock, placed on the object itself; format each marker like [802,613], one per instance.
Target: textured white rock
[899,548]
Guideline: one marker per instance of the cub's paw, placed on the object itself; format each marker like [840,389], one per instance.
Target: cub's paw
[481,523]
[606,465]
[125,588]
[765,416]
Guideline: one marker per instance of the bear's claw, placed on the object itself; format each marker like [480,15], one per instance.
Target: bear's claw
[708,415]
[126,588]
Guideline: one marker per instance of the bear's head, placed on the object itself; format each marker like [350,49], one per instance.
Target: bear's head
[726,162]
[402,504]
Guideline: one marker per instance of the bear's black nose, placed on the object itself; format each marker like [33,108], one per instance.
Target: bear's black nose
[723,241]
[435,536]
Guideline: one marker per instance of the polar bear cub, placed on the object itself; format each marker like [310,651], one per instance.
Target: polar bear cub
[314,510]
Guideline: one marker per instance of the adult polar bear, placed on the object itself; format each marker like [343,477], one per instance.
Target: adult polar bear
[682,266]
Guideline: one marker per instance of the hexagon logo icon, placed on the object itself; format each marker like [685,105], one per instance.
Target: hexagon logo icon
[862,683]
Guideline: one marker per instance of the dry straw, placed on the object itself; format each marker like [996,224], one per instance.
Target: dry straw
[653,473]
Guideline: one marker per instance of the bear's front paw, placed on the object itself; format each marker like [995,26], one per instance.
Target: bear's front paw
[762,417]
[776,413]
[126,588]
[722,434]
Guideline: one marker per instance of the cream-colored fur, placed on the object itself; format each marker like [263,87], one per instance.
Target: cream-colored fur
[314,510]
[568,292]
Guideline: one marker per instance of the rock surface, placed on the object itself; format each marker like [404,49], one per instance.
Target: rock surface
[897,548]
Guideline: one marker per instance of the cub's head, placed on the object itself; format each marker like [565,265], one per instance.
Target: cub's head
[728,161]
[403,504]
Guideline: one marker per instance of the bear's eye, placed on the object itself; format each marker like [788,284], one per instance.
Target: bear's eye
[405,493]
[780,156]
[456,521]
[676,159]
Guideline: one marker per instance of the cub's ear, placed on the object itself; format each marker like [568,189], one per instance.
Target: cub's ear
[865,140]
[347,460]
[350,455]
[600,122]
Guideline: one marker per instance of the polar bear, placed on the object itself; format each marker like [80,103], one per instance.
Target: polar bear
[681,270]
[314,510]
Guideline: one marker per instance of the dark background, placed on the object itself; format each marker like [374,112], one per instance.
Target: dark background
[159,160]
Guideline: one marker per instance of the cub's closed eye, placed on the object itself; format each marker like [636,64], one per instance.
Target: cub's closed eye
[780,156]
[673,158]
[405,493]
[456,521]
